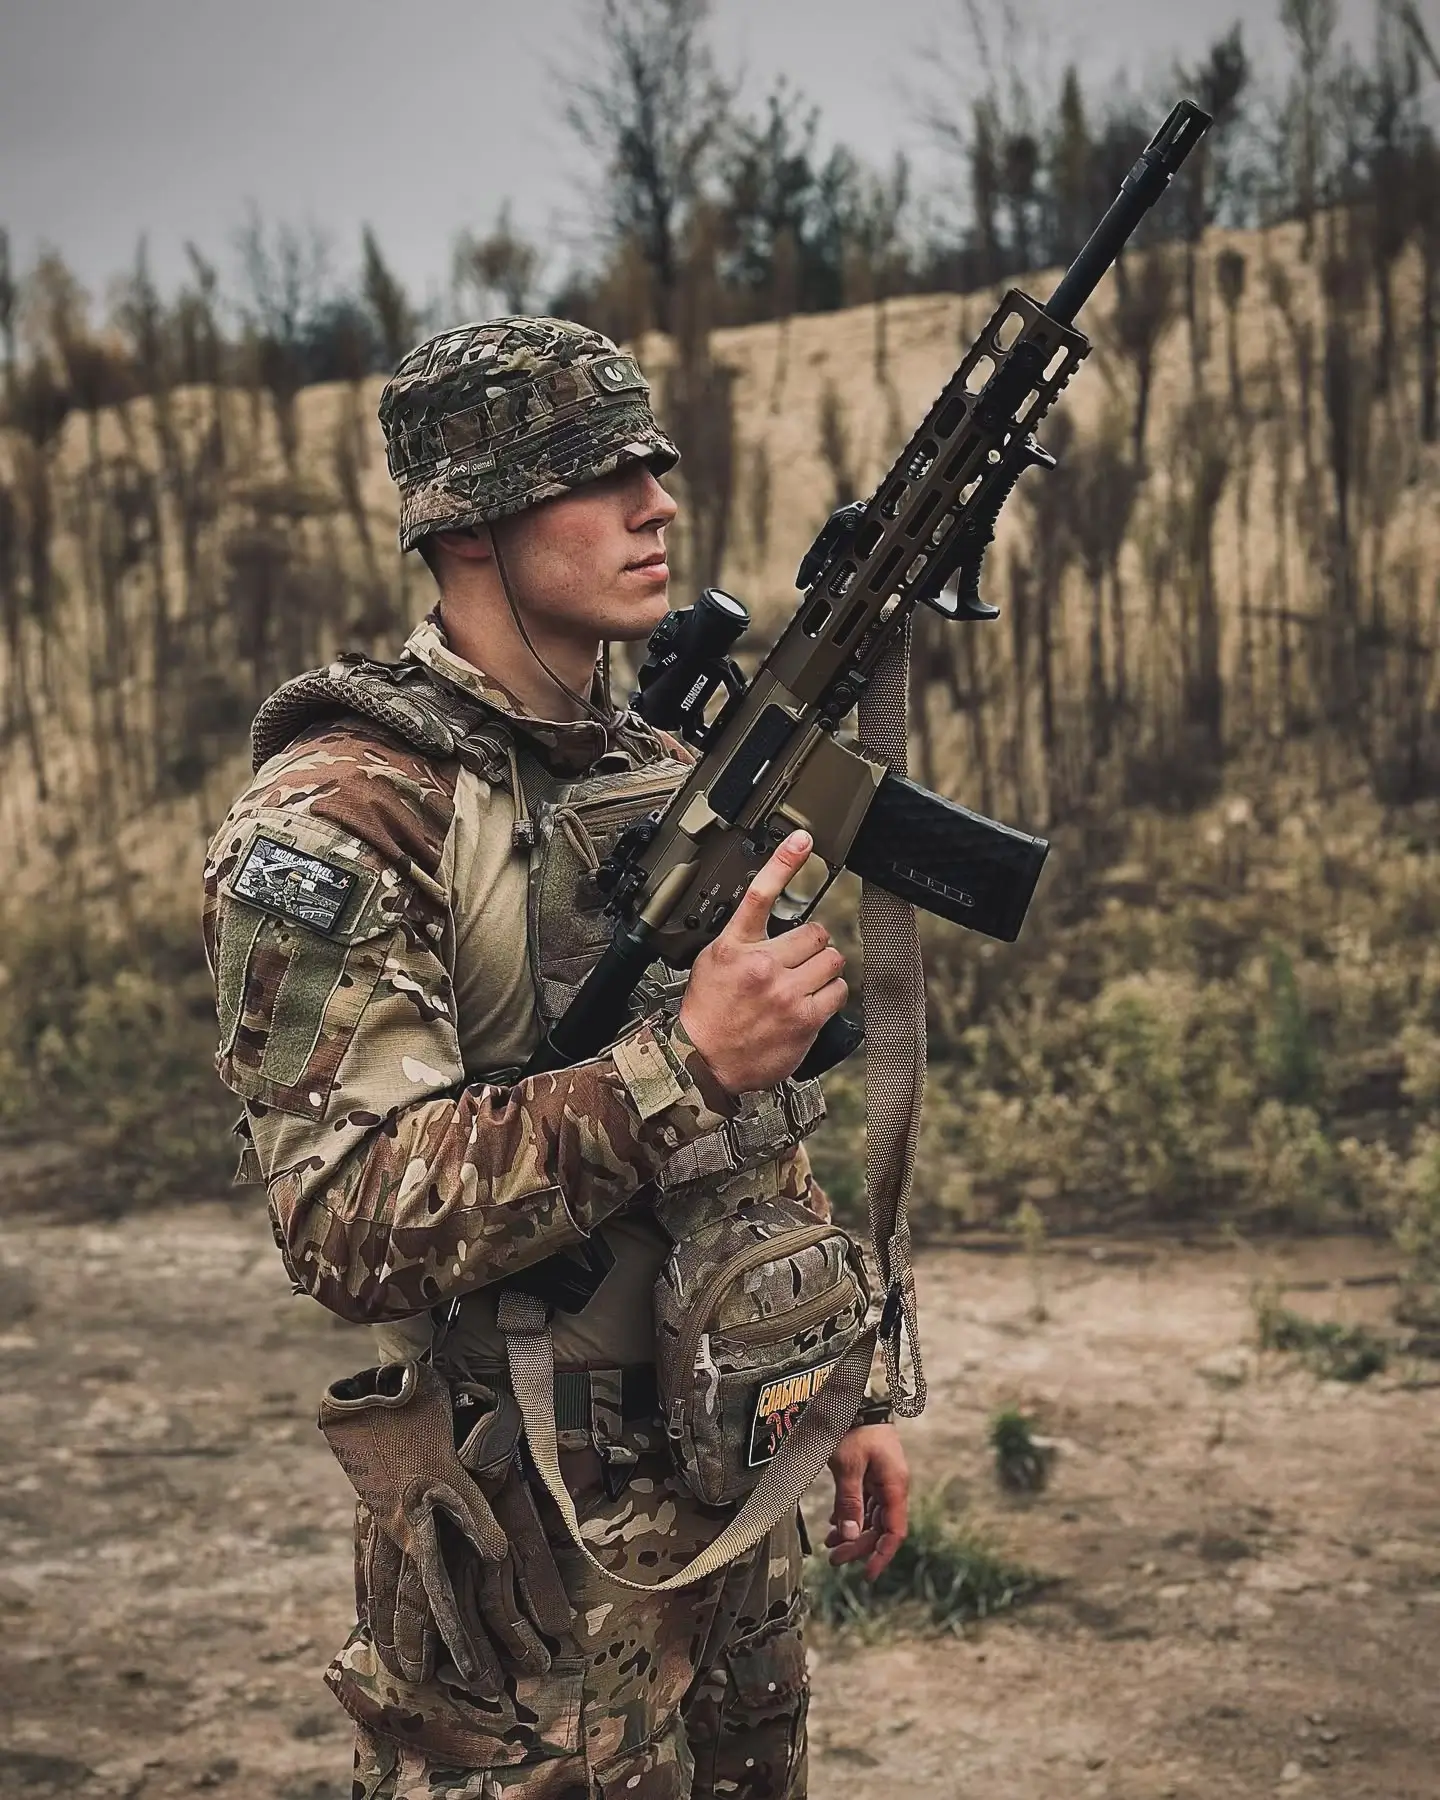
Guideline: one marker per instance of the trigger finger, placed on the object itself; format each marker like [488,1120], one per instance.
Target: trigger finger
[751,919]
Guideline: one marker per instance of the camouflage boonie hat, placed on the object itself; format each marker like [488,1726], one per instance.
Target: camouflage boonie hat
[485,420]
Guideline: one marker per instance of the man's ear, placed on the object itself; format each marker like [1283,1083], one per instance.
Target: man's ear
[468,546]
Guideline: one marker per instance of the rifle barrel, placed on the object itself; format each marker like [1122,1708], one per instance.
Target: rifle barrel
[1142,187]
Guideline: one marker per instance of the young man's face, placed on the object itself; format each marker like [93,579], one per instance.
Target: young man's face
[592,562]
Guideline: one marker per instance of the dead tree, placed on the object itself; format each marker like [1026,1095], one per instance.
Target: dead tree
[503,265]
[649,107]
[700,410]
[389,305]
[1144,312]
[1203,445]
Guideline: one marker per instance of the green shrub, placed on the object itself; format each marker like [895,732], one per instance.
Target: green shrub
[837,1151]
[1413,1210]
[1021,1465]
[1330,1350]
[1286,1052]
[1189,1031]
[106,1042]
[1296,1172]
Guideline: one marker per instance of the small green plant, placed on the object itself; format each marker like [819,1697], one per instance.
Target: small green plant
[1028,1225]
[1329,1349]
[1021,1465]
[1296,1174]
[1287,1052]
[1414,1218]
[944,1575]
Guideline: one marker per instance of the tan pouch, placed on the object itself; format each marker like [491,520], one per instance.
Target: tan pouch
[753,1310]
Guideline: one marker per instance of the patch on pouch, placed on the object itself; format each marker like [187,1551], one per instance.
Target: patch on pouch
[778,1407]
[299,887]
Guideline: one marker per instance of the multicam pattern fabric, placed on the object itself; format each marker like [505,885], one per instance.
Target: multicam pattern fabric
[568,930]
[494,416]
[398,1178]
[392,1184]
[565,748]
[765,1300]
[452,716]
[689,1696]
[289,997]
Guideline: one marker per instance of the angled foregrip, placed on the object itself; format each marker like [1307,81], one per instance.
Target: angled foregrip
[946,859]
[967,555]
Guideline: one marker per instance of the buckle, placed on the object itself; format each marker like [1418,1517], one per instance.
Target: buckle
[617,1464]
[804,1103]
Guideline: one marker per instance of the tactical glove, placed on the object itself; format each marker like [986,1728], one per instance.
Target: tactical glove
[435,1561]
[489,1449]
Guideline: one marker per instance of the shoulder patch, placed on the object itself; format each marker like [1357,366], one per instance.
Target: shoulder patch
[286,881]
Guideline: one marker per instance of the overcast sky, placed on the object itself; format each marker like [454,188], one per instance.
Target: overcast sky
[167,117]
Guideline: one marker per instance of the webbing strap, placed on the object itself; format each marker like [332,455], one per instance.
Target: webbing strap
[893,999]
[530,1353]
[893,1007]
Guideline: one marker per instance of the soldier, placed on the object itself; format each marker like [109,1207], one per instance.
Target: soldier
[396,907]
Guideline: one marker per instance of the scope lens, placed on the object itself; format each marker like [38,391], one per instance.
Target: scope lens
[719,601]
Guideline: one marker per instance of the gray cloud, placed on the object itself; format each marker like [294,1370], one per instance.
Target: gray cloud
[165,117]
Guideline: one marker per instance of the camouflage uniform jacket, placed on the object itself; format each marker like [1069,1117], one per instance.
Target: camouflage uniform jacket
[398,1177]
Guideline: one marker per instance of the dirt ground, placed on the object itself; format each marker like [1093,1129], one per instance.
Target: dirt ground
[1248,1560]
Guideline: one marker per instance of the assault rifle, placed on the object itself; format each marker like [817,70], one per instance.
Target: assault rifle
[770,761]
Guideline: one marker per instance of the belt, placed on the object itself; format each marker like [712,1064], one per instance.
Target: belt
[574,1410]
[575,1415]
[639,1396]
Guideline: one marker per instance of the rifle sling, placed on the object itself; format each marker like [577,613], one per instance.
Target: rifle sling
[894,1012]
[530,1354]
[893,1005]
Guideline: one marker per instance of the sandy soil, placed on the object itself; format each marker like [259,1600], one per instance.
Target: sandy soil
[1248,1598]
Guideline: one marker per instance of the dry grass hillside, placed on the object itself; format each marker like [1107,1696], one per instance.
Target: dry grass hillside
[1212,684]
[215,540]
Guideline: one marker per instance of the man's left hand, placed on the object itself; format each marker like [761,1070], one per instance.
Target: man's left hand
[872,1489]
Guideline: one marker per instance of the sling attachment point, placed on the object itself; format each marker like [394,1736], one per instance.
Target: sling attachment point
[617,1464]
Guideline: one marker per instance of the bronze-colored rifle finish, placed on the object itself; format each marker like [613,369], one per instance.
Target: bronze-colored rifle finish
[771,760]
[696,867]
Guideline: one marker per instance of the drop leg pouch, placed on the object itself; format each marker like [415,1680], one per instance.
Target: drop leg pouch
[436,1562]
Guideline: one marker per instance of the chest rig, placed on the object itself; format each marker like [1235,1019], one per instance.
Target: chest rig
[760,1308]
[566,827]
[569,835]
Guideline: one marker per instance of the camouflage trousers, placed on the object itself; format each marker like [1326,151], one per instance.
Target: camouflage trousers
[683,1696]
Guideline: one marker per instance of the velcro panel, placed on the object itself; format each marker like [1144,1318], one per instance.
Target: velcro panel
[302,1006]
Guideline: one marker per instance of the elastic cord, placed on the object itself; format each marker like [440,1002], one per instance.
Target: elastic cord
[586,706]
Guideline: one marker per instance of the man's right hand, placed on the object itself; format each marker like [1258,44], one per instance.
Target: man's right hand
[755,1003]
